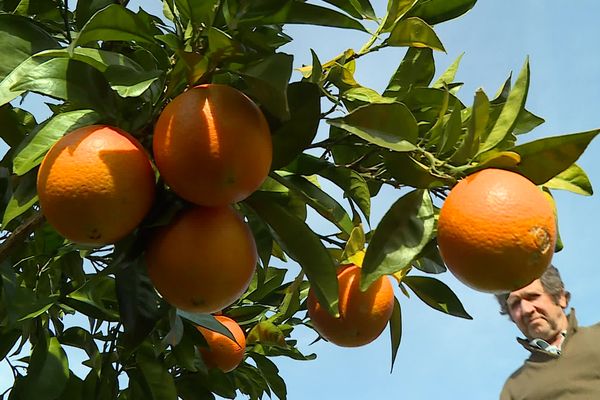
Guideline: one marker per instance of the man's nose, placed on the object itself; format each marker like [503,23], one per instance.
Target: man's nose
[527,307]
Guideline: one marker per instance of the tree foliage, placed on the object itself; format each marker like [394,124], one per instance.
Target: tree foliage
[101,62]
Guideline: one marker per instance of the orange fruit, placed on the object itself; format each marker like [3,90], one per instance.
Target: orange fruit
[363,315]
[222,352]
[203,260]
[496,231]
[95,185]
[212,145]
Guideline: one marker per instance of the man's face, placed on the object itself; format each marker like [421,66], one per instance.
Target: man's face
[536,313]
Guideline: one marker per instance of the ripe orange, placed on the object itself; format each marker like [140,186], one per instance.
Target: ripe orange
[212,145]
[203,260]
[222,352]
[363,315]
[496,231]
[95,185]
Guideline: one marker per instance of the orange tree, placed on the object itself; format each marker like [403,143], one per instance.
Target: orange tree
[105,64]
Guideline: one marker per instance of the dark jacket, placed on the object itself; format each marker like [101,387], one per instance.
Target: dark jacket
[575,374]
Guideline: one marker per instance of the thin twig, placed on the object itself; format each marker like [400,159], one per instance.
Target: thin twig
[65,15]
[20,234]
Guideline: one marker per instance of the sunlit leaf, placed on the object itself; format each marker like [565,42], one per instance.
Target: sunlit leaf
[436,11]
[416,69]
[543,159]
[573,179]
[45,135]
[391,126]
[448,76]
[395,331]
[510,111]
[303,246]
[48,371]
[403,232]
[414,32]
[437,295]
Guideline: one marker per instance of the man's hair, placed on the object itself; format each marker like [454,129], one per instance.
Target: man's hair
[552,284]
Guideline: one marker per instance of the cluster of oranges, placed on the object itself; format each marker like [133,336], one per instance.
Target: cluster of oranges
[212,147]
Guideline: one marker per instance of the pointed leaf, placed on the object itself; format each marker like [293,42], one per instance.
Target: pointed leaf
[71,80]
[48,371]
[543,159]
[129,83]
[20,38]
[401,235]
[416,69]
[452,131]
[573,179]
[199,13]
[303,13]
[206,321]
[395,330]
[320,201]
[527,122]
[510,111]
[436,11]
[303,246]
[448,76]
[270,372]
[116,23]
[414,32]
[7,92]
[268,83]
[396,9]
[158,381]
[22,199]
[407,171]
[45,135]
[391,126]
[437,295]
[298,132]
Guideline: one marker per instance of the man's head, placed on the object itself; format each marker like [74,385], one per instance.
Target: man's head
[538,308]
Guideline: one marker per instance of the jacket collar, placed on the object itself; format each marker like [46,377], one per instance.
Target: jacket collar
[538,354]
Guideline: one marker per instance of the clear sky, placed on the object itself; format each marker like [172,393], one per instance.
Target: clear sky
[443,357]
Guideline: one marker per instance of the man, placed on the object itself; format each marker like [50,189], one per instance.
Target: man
[564,363]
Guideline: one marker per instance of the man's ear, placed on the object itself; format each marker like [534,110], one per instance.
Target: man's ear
[563,299]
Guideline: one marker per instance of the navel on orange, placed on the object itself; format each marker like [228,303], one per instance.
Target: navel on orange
[496,231]
[222,352]
[363,315]
[95,185]
[203,260]
[212,145]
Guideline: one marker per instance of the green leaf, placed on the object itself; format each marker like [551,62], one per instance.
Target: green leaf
[303,246]
[7,93]
[206,321]
[48,371]
[320,201]
[116,23]
[403,232]
[199,13]
[436,11]
[22,199]
[268,82]
[543,159]
[266,333]
[74,388]
[82,85]
[157,380]
[86,8]
[414,32]
[452,131]
[395,330]
[270,372]
[45,135]
[8,339]
[140,308]
[510,111]
[448,76]
[430,260]
[303,13]
[97,58]
[396,9]
[96,299]
[20,38]
[297,133]
[573,179]
[129,83]
[15,123]
[436,294]
[416,69]
[408,171]
[78,337]
[259,289]
[350,181]
[527,122]
[391,126]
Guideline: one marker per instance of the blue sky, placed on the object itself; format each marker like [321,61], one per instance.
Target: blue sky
[443,357]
